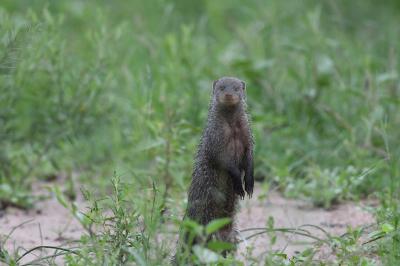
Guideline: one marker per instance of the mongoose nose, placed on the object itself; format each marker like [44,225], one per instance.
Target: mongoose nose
[228,96]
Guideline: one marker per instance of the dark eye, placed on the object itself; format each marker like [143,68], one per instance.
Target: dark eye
[222,88]
[236,88]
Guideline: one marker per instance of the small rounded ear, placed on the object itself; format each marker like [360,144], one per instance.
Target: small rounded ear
[243,85]
[215,83]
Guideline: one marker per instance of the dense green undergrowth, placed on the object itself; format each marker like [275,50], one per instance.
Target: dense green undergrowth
[91,87]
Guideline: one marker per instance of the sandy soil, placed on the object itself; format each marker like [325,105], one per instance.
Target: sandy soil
[293,213]
[49,223]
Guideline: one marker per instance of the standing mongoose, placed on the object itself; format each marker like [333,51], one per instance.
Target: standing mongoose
[224,156]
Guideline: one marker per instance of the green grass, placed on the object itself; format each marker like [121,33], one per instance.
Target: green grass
[93,87]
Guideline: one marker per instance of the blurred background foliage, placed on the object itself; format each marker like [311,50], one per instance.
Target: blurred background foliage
[89,87]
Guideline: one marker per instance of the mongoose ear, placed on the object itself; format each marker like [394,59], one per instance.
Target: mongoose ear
[243,85]
[215,83]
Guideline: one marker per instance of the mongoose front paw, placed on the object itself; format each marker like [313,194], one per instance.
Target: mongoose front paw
[239,190]
[248,186]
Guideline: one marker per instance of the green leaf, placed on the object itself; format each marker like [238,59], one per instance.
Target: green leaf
[216,224]
[387,228]
[192,226]
[307,252]
[270,222]
[281,255]
[60,196]
[218,246]
[375,234]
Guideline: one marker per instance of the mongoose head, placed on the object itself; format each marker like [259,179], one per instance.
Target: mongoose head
[229,91]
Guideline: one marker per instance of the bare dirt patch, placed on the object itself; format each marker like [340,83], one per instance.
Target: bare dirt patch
[49,223]
[294,213]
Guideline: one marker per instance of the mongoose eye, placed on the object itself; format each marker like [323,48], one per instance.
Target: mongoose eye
[236,88]
[222,88]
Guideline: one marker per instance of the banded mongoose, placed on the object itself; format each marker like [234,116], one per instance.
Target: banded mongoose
[224,158]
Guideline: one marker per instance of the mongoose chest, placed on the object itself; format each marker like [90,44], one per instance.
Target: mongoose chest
[234,140]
